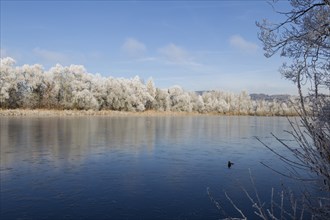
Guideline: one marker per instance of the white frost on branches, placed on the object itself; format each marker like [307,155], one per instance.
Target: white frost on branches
[72,87]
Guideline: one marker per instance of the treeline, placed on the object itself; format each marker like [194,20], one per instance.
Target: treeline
[72,87]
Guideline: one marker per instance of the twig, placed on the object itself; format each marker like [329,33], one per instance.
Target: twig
[233,204]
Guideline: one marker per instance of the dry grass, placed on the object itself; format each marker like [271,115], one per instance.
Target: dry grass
[53,112]
[48,113]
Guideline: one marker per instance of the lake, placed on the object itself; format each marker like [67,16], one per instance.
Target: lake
[135,167]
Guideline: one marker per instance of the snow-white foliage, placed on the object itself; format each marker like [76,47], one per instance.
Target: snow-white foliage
[72,87]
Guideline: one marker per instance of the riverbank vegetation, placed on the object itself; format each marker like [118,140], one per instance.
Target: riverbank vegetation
[51,113]
[73,88]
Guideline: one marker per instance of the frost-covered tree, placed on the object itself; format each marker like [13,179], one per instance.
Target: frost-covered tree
[140,95]
[303,37]
[180,100]
[63,87]
[99,90]
[209,102]
[152,92]
[244,103]
[162,99]
[72,87]
[32,85]
[114,93]
[197,103]
[8,83]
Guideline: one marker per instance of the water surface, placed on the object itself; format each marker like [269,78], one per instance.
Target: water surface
[133,167]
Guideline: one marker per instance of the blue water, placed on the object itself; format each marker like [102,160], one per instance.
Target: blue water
[134,167]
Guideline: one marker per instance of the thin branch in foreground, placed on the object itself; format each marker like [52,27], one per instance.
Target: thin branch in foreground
[216,203]
[287,207]
[233,204]
[285,175]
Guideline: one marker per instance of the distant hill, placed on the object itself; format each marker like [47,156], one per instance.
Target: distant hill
[200,92]
[261,96]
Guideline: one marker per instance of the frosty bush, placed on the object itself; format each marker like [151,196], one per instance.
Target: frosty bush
[72,87]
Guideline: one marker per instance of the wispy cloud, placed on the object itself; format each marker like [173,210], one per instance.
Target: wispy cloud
[177,55]
[133,48]
[240,43]
[169,54]
[174,53]
[50,56]
[147,59]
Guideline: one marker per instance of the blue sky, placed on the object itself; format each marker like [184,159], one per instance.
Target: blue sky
[199,45]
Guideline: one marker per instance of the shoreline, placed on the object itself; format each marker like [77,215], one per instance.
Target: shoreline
[64,113]
[110,113]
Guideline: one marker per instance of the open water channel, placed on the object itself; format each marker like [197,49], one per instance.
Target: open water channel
[135,167]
